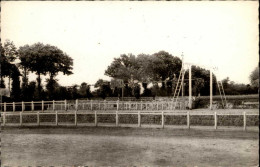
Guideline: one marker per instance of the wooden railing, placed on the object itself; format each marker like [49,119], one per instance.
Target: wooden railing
[91,105]
[116,114]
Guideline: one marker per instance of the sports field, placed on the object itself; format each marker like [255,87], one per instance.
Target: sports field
[111,146]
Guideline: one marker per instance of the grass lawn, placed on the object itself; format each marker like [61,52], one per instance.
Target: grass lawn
[110,146]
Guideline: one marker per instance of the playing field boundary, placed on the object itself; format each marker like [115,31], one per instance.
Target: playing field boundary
[56,118]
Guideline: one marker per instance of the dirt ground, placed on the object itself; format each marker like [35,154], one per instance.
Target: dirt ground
[110,146]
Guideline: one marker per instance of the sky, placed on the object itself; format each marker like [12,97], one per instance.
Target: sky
[211,34]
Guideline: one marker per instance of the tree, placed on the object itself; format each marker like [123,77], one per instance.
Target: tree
[254,78]
[123,67]
[84,90]
[104,89]
[10,53]
[16,90]
[44,59]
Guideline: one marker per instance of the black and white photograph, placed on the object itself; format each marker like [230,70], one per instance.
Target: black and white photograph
[129,83]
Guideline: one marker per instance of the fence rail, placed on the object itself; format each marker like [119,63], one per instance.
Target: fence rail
[114,116]
[91,105]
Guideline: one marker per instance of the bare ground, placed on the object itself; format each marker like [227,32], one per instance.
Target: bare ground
[110,146]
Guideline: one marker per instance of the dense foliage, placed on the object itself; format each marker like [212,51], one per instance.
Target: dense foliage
[131,76]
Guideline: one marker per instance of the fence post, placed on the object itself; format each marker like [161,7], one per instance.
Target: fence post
[4,106]
[56,118]
[21,119]
[162,119]
[139,119]
[105,105]
[96,123]
[42,105]
[117,105]
[77,104]
[13,106]
[216,120]
[141,105]
[244,120]
[65,105]
[157,105]
[4,119]
[22,106]
[32,106]
[116,117]
[38,118]
[99,105]
[136,105]
[76,118]
[188,120]
[53,105]
[91,105]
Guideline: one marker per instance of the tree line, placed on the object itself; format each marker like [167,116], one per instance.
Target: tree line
[132,75]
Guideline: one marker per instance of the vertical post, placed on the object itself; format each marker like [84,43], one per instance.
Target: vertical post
[157,105]
[211,90]
[76,118]
[53,105]
[244,114]
[99,105]
[42,105]
[216,119]
[188,120]
[116,117]
[117,105]
[4,106]
[4,118]
[21,119]
[77,104]
[32,106]
[13,106]
[38,118]
[190,89]
[136,105]
[96,118]
[22,106]
[56,118]
[91,105]
[141,105]
[139,119]
[162,119]
[105,106]
[65,105]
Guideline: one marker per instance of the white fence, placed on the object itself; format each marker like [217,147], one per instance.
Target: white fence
[116,115]
[92,105]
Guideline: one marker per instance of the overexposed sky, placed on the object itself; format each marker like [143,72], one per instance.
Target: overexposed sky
[221,34]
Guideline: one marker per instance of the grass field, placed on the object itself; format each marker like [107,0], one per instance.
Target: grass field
[110,146]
